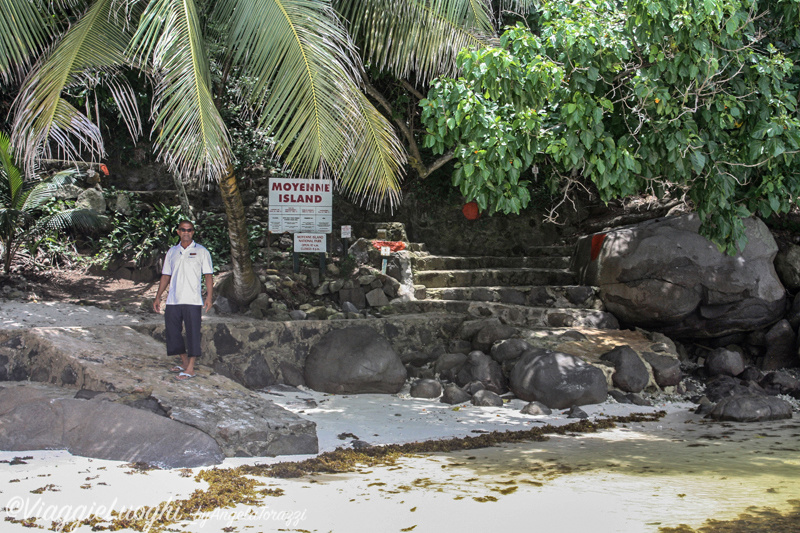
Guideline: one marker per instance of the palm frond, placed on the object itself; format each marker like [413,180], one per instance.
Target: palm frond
[79,219]
[22,32]
[190,134]
[420,37]
[308,94]
[10,176]
[372,172]
[43,119]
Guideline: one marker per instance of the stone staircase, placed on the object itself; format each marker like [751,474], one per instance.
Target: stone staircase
[537,291]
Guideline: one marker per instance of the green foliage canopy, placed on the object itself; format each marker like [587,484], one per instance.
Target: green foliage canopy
[640,95]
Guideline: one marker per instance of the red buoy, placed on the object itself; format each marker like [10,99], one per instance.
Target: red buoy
[471,211]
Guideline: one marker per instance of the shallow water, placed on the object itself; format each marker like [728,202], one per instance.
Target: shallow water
[639,478]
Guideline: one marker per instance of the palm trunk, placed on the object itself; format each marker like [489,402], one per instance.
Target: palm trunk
[246,285]
[186,207]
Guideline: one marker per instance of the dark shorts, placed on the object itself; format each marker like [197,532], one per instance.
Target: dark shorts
[176,317]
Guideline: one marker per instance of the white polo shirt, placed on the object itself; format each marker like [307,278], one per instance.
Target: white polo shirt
[187,267]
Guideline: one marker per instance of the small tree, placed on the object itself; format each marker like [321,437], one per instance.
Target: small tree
[690,96]
[20,202]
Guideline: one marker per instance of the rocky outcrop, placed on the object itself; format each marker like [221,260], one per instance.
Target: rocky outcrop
[354,360]
[751,408]
[663,275]
[130,368]
[43,417]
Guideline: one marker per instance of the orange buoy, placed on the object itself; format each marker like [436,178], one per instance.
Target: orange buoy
[471,211]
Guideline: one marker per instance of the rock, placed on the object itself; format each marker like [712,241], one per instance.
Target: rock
[751,408]
[704,407]
[655,275]
[354,360]
[536,409]
[779,383]
[485,398]
[793,316]
[33,419]
[356,296]
[473,386]
[377,298]
[781,351]
[508,350]
[93,200]
[449,364]
[577,412]
[751,373]
[724,362]
[417,358]
[459,346]
[348,307]
[556,379]
[261,304]
[666,369]
[298,314]
[787,266]
[426,388]
[491,333]
[481,367]
[630,373]
[628,398]
[122,204]
[453,394]
[724,386]
[223,306]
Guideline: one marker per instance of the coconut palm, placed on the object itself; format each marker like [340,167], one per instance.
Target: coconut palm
[306,91]
[20,203]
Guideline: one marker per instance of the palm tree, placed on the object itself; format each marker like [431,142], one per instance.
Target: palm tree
[20,201]
[307,91]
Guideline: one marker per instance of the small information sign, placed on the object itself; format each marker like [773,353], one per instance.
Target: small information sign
[310,243]
[347,232]
[385,251]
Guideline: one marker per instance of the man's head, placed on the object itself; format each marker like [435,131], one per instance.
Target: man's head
[186,232]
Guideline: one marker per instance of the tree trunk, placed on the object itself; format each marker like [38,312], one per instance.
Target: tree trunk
[246,285]
[186,208]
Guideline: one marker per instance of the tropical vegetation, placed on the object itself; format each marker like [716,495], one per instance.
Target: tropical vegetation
[690,98]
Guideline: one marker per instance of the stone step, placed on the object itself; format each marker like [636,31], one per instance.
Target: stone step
[494,277]
[419,247]
[516,315]
[560,296]
[441,262]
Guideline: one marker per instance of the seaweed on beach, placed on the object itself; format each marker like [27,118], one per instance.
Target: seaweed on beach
[347,460]
[754,520]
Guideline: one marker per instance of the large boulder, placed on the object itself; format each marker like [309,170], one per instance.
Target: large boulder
[354,360]
[630,372]
[480,367]
[37,417]
[663,275]
[751,408]
[556,379]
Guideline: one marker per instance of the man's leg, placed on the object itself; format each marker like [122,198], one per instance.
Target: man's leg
[173,331]
[192,320]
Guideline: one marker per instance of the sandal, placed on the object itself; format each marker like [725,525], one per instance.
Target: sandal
[183,376]
[176,369]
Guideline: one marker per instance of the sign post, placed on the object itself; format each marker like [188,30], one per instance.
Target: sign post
[303,207]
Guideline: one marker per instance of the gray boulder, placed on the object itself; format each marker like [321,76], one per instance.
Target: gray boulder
[454,394]
[663,275]
[724,362]
[508,350]
[536,409]
[486,398]
[780,383]
[93,200]
[449,364]
[354,360]
[787,265]
[630,373]
[751,408]
[556,379]
[32,419]
[666,369]
[491,333]
[426,388]
[480,367]
[781,352]
[725,386]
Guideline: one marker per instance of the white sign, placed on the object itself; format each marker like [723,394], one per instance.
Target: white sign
[300,205]
[310,242]
[347,232]
[385,250]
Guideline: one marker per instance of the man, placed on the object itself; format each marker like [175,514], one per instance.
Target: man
[185,265]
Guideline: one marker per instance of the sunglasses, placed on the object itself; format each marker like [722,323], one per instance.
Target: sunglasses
[186,230]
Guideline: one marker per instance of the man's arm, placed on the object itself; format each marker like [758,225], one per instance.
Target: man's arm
[209,291]
[163,284]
